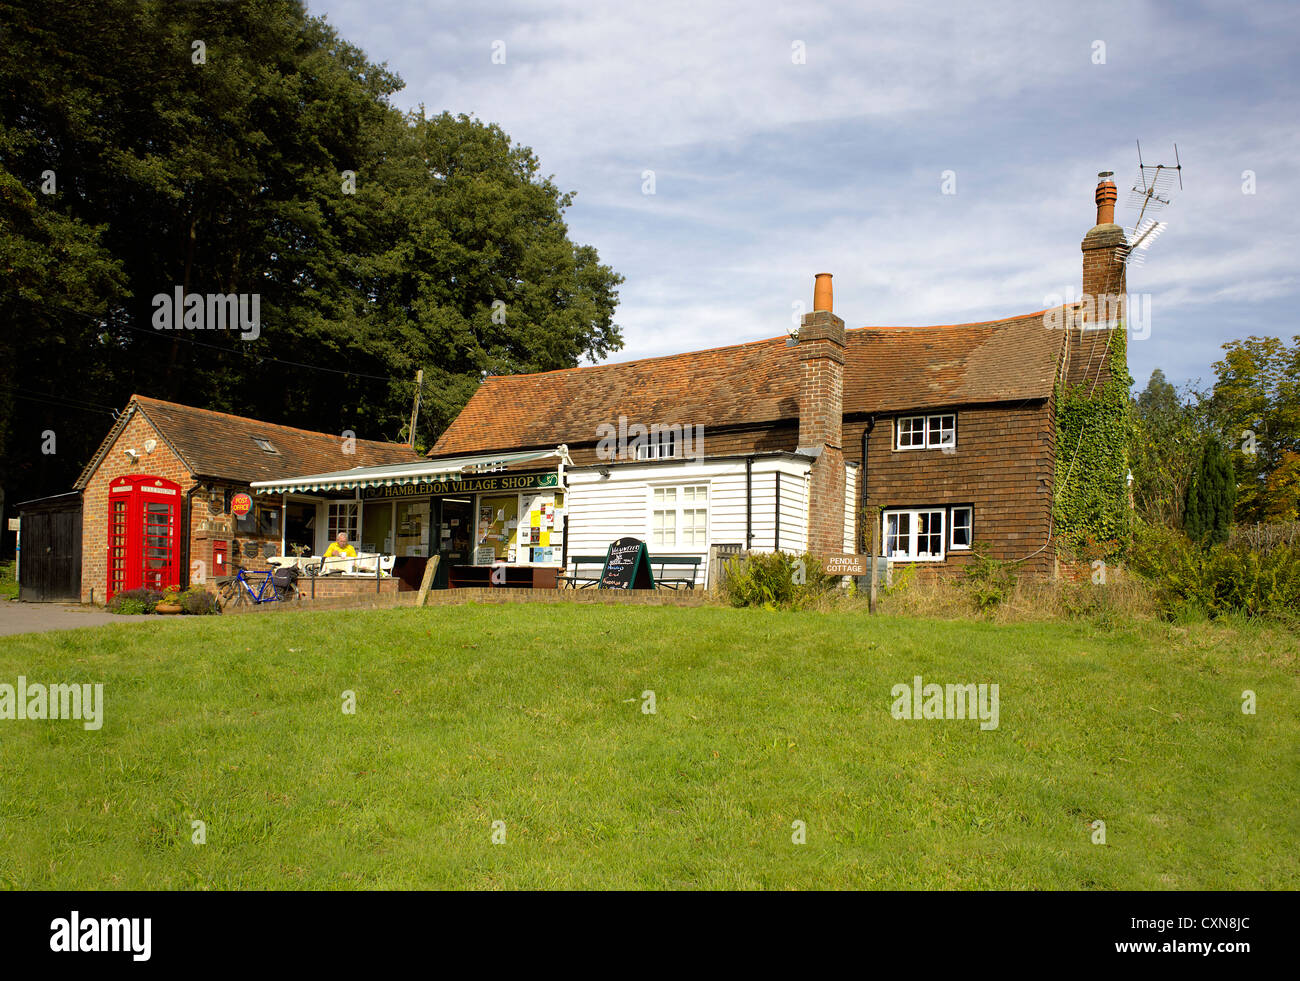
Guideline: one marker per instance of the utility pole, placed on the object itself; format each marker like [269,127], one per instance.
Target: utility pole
[415,407]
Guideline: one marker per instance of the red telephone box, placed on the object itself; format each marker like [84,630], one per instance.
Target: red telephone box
[143,520]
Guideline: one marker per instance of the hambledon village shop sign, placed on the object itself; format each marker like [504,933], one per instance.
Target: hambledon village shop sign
[465,485]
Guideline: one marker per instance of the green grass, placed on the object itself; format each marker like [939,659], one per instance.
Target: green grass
[531,715]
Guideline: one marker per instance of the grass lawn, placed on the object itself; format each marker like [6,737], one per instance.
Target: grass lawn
[532,715]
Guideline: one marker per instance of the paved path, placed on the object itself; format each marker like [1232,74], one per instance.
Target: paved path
[28,618]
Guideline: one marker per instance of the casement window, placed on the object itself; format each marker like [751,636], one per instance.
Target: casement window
[925,432]
[962,525]
[665,444]
[925,534]
[679,517]
[343,518]
[914,536]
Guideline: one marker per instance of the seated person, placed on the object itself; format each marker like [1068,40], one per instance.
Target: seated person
[340,549]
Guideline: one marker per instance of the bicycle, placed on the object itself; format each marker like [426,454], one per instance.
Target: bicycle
[259,586]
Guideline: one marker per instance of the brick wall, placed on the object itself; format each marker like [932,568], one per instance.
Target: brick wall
[1002,465]
[1105,286]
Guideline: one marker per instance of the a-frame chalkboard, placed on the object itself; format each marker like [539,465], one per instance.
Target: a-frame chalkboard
[627,566]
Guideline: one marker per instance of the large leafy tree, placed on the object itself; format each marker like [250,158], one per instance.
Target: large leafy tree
[246,148]
[1256,405]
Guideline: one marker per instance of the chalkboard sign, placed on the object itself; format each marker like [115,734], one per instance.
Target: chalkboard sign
[627,566]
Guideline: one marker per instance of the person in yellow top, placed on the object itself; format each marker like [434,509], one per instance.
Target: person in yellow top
[340,549]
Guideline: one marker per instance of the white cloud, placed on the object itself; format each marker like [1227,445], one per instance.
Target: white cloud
[769,171]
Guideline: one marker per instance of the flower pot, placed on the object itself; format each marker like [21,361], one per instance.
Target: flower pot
[167,608]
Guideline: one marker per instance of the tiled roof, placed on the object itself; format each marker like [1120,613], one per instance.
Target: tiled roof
[220,445]
[886,369]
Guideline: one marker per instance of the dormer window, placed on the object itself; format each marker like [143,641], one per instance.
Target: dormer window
[926,432]
[665,444]
[265,445]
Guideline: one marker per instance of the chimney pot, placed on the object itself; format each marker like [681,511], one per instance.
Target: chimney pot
[822,297]
[1107,195]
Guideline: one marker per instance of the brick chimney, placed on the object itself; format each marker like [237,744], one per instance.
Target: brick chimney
[1103,267]
[1105,286]
[820,349]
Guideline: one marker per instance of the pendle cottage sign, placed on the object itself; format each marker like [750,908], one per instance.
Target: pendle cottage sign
[464,485]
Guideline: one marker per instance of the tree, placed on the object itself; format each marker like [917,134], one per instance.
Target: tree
[1256,406]
[1210,497]
[1169,431]
[147,145]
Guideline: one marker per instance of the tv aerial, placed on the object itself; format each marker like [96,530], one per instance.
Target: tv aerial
[1150,193]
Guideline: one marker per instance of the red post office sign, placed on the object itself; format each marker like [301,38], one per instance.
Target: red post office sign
[240,505]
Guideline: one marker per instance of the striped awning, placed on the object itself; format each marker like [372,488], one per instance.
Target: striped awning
[401,474]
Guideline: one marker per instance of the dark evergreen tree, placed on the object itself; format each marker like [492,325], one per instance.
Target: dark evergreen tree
[1207,516]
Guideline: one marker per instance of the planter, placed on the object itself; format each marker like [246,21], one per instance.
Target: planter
[167,608]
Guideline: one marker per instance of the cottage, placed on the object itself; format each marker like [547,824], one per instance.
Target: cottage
[946,435]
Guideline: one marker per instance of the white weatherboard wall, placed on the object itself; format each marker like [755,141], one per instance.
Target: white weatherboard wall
[604,509]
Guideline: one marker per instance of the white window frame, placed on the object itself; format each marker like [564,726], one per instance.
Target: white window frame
[969,525]
[913,533]
[666,444]
[333,526]
[932,431]
[679,508]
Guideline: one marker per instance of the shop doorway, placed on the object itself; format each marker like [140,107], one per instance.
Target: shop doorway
[299,528]
[456,530]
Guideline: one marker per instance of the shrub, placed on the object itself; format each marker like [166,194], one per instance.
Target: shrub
[135,601]
[1190,580]
[773,580]
[199,602]
[990,581]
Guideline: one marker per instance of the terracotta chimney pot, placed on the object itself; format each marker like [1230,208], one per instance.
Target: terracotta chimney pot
[822,298]
[1106,197]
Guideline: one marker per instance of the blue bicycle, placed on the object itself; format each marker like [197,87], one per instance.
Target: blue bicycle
[248,587]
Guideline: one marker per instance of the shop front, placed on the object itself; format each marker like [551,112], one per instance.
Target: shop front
[495,520]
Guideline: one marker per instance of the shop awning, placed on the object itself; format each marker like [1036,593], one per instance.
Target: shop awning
[400,474]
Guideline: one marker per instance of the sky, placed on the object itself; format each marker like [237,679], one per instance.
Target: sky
[790,139]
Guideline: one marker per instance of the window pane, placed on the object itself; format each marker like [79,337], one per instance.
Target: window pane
[961,527]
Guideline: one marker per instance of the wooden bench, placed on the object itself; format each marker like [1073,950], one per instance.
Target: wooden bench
[575,580]
[680,561]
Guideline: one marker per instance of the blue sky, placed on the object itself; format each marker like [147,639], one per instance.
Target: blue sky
[767,171]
